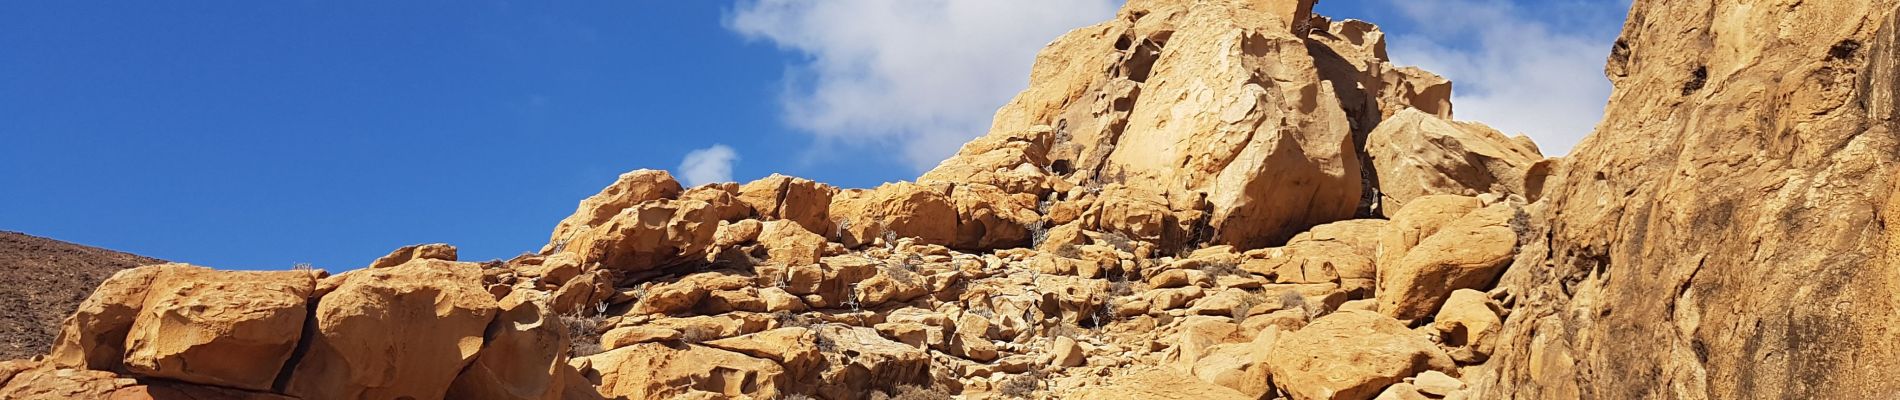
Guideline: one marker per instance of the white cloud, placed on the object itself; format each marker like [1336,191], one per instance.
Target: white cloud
[922,76]
[708,165]
[1520,71]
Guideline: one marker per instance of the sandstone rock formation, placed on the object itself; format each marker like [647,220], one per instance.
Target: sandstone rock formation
[1727,232]
[1189,201]
[49,279]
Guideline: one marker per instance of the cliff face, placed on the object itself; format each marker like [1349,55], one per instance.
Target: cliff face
[1726,232]
[1167,212]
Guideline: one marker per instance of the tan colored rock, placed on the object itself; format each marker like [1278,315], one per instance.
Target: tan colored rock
[1306,363]
[1361,234]
[1140,214]
[583,295]
[1418,154]
[555,269]
[1410,227]
[660,371]
[794,348]
[403,331]
[874,363]
[631,335]
[633,188]
[903,210]
[788,243]
[989,218]
[737,233]
[1240,366]
[523,358]
[646,236]
[1264,108]
[1468,325]
[37,382]
[232,329]
[1067,353]
[1467,253]
[434,251]
[724,199]
[1016,162]
[94,336]
[802,201]
[777,299]
[1742,186]
[1311,262]
[1159,384]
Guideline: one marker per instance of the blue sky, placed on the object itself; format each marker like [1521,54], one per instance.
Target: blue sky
[258,135]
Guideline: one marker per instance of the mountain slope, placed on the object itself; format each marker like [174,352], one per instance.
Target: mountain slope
[46,279]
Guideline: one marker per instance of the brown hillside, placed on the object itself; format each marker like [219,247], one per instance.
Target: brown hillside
[46,279]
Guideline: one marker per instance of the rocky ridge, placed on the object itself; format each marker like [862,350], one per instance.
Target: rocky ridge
[1197,199]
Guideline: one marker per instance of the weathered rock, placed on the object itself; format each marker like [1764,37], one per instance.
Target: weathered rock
[1741,186]
[524,355]
[648,236]
[1468,325]
[1467,253]
[989,218]
[788,243]
[223,328]
[403,331]
[633,188]
[1016,162]
[1418,154]
[794,348]
[1240,366]
[903,210]
[1067,353]
[434,251]
[1159,384]
[1306,364]
[724,199]
[861,361]
[665,371]
[94,336]
[799,200]
[28,380]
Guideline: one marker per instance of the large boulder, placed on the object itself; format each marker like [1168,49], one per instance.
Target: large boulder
[524,357]
[1351,355]
[1466,253]
[648,236]
[802,201]
[1417,154]
[787,243]
[1016,162]
[1468,325]
[224,328]
[896,210]
[1217,107]
[859,360]
[631,189]
[94,336]
[403,331]
[990,218]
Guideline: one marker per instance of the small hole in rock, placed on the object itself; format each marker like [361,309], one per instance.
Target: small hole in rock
[1697,79]
[1843,50]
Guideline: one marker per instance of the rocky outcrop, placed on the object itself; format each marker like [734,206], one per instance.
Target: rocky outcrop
[1181,206]
[1727,230]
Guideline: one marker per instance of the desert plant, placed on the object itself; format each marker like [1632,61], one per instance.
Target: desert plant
[1022,386]
[302,267]
[583,333]
[914,392]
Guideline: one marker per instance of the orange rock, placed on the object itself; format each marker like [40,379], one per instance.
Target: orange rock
[403,331]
